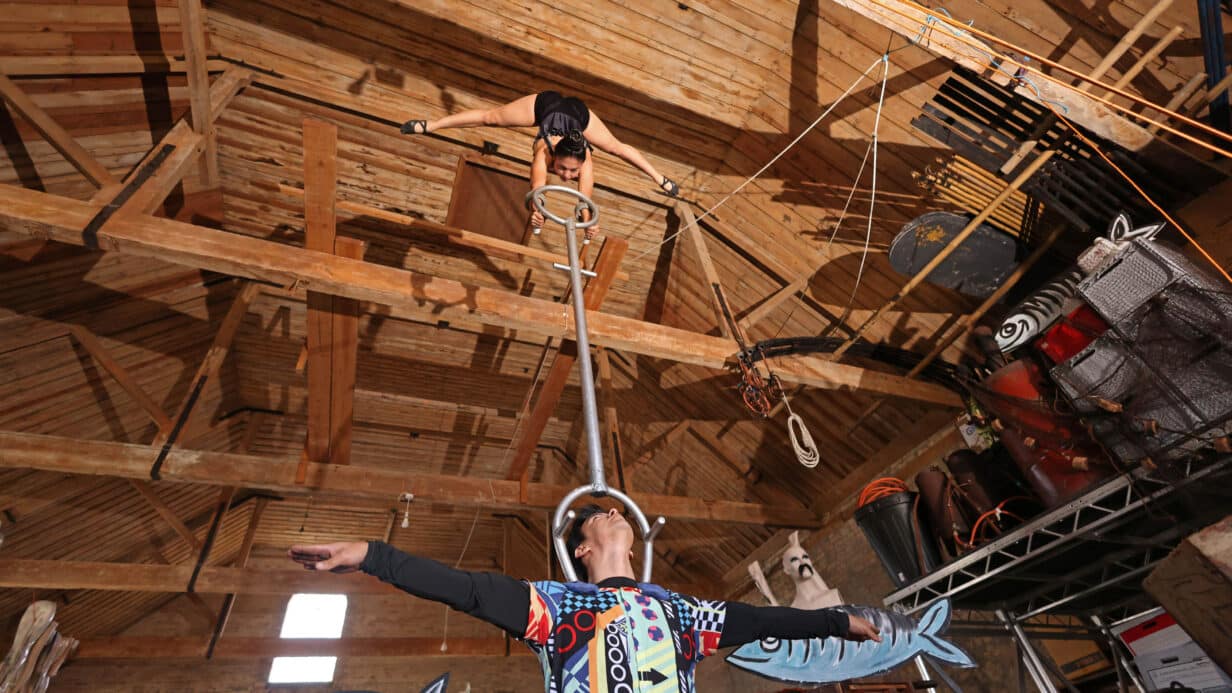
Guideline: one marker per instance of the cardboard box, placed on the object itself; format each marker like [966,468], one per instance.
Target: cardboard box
[1194,584]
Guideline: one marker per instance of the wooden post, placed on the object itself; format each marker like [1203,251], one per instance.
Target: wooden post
[192,21]
[344,351]
[611,420]
[320,181]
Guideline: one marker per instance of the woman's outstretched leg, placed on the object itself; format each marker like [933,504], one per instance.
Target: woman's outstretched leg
[519,113]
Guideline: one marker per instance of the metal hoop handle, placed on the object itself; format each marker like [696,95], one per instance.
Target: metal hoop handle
[536,196]
[563,518]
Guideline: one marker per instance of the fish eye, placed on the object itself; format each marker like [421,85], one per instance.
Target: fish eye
[771,644]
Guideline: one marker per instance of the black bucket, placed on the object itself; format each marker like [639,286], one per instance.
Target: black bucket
[890,525]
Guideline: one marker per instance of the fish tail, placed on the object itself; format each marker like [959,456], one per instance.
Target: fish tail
[934,622]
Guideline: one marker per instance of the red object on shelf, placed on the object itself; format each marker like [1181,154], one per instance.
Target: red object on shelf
[1071,334]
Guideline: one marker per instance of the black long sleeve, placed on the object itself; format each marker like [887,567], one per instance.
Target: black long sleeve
[746,623]
[498,599]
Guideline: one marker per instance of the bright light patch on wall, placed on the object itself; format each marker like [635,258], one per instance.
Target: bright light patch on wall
[315,616]
[310,616]
[302,670]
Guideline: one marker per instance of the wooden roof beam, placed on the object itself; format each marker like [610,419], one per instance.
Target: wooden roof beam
[354,482]
[320,183]
[138,647]
[713,287]
[417,296]
[55,135]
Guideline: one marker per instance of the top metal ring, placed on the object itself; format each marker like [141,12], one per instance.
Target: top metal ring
[583,202]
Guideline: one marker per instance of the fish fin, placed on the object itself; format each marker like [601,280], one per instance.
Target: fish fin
[936,618]
[944,651]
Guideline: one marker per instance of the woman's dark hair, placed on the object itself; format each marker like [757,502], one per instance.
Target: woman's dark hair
[572,144]
[575,537]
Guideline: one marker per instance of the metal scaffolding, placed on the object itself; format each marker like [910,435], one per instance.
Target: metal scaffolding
[1084,559]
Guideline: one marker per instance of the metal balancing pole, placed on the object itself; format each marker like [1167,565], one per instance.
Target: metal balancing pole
[563,517]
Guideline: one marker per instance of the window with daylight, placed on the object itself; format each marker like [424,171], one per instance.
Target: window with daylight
[310,616]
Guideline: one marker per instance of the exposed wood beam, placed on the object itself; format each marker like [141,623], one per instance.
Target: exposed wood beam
[209,367]
[775,300]
[264,648]
[531,429]
[192,22]
[489,245]
[91,344]
[179,149]
[345,352]
[147,492]
[224,90]
[55,135]
[416,296]
[355,481]
[713,287]
[250,537]
[320,185]
[610,424]
[909,20]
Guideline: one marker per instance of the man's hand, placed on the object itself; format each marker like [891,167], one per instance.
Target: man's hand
[536,219]
[343,557]
[591,232]
[859,630]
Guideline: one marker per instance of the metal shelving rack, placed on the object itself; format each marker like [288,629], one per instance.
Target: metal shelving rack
[1086,558]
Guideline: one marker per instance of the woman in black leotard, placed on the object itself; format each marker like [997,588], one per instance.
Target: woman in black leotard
[567,132]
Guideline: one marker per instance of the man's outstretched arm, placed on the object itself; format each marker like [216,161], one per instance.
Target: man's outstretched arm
[498,599]
[746,623]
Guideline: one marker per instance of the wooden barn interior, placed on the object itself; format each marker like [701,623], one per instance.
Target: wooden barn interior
[208,214]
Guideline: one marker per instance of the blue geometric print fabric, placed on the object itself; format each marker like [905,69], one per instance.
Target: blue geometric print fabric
[641,639]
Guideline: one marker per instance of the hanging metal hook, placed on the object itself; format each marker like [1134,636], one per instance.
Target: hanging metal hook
[563,517]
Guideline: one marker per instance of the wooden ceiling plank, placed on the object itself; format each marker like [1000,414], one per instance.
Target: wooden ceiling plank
[415,295]
[192,23]
[76,65]
[596,290]
[55,135]
[355,481]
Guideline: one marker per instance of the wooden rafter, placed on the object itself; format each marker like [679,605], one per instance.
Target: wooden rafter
[531,429]
[122,377]
[911,20]
[416,296]
[714,288]
[215,355]
[320,181]
[354,482]
[164,511]
[55,135]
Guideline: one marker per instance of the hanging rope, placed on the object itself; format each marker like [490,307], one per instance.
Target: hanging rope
[763,169]
[801,440]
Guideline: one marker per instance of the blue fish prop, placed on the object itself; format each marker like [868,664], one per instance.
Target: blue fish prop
[831,660]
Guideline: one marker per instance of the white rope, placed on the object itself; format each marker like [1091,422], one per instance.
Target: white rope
[465,546]
[753,177]
[801,440]
[872,202]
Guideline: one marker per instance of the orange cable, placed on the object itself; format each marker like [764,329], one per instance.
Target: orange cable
[1145,196]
